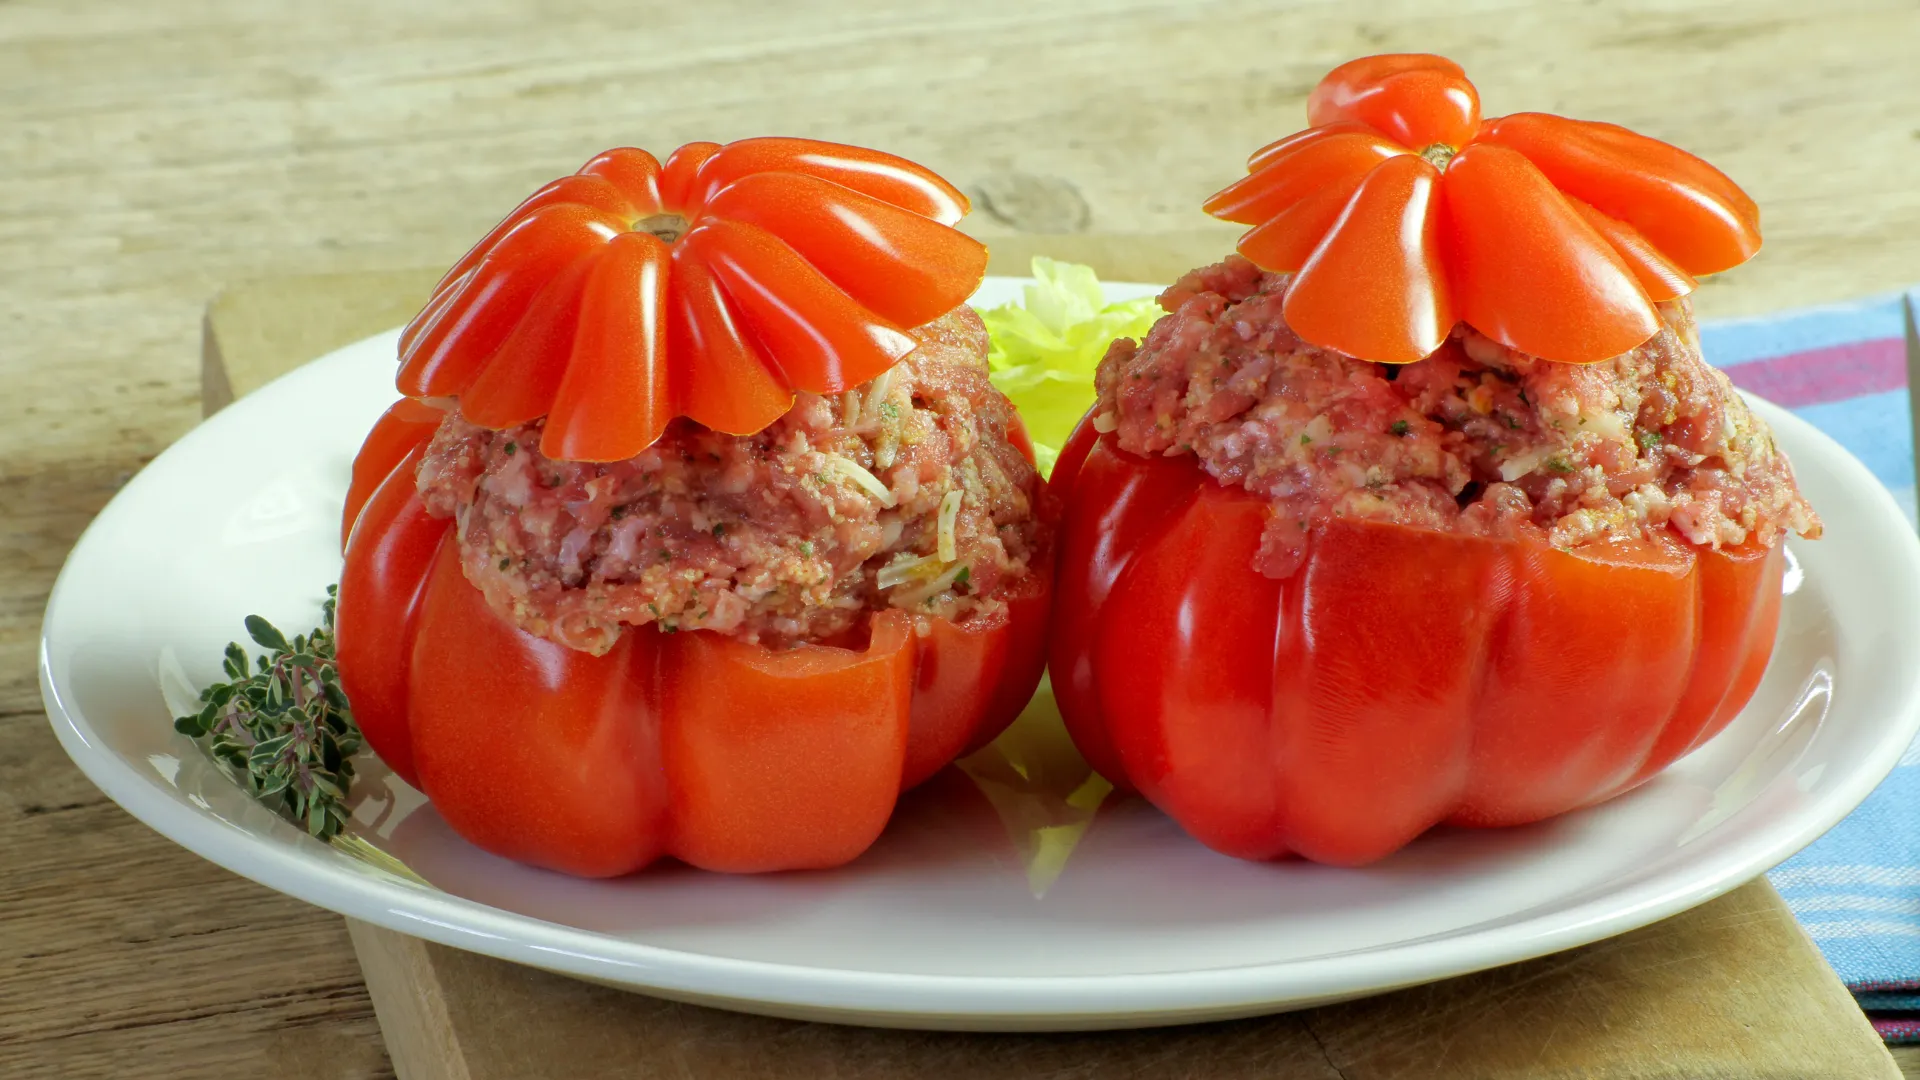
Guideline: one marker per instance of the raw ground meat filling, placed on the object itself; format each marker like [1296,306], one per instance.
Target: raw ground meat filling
[905,492]
[1475,439]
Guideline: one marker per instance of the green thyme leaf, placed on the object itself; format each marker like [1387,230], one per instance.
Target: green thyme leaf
[1400,427]
[264,635]
[283,725]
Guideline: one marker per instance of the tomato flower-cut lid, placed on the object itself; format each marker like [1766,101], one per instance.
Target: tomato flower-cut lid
[713,287]
[1402,211]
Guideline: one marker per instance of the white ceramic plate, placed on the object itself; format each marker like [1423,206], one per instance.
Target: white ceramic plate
[948,921]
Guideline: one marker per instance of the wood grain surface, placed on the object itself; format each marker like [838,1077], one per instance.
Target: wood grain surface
[1697,997]
[152,151]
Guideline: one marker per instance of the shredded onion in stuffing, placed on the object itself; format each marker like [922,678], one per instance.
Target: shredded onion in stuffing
[877,392]
[1520,465]
[868,482]
[933,588]
[901,571]
[949,548]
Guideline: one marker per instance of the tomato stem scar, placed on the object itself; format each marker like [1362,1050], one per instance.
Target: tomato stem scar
[668,227]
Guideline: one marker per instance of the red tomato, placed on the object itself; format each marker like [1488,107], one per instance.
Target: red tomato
[1400,679]
[405,425]
[1402,209]
[713,287]
[725,755]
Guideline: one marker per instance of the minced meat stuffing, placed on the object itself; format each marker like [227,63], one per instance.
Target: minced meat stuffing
[1476,439]
[786,536]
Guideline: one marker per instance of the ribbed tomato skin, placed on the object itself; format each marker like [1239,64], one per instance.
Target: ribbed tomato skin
[725,755]
[1401,678]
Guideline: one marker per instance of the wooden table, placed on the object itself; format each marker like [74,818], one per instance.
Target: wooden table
[152,151]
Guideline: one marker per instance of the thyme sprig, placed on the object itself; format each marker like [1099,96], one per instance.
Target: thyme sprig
[282,724]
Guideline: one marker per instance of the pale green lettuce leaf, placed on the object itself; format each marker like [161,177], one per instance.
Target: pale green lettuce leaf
[1044,350]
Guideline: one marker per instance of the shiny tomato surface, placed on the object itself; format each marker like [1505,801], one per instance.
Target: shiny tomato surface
[1401,678]
[725,755]
[1402,211]
[712,285]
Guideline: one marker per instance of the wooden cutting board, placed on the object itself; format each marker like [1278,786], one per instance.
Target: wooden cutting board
[1731,989]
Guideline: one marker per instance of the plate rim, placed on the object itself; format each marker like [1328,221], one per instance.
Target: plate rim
[976,1001]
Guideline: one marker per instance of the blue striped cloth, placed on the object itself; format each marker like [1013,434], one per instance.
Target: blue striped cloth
[1855,890]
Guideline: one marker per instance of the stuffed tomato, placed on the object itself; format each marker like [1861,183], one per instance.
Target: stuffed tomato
[705,544]
[1344,558]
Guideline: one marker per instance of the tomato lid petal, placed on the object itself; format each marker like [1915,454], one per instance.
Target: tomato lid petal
[1657,274]
[726,386]
[595,193]
[677,176]
[632,172]
[1416,99]
[1686,208]
[815,335]
[884,176]
[905,268]
[1373,288]
[714,286]
[615,400]
[1279,148]
[1340,157]
[522,376]
[1527,270]
[1283,242]
[1555,236]
[448,355]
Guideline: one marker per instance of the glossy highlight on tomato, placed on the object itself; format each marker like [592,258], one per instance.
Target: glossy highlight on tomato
[713,286]
[1402,211]
[1400,679]
[726,755]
